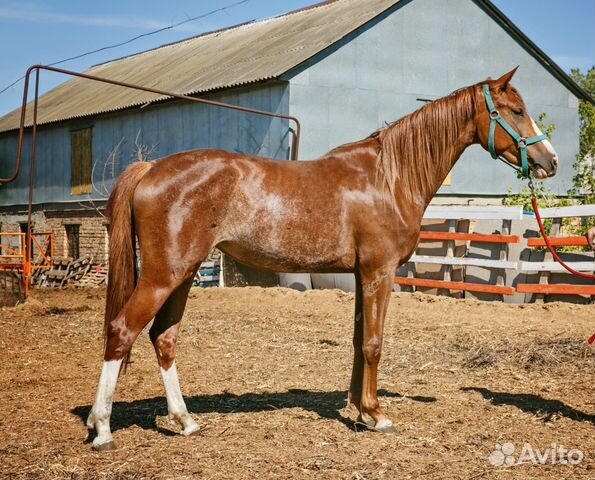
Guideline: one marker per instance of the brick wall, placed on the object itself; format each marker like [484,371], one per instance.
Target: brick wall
[92,231]
[11,223]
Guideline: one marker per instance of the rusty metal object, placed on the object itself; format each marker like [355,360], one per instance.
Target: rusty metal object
[37,68]
[30,254]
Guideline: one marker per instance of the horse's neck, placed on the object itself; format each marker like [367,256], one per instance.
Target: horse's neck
[453,153]
[430,172]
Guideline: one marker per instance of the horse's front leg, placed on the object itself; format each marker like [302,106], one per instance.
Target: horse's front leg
[357,372]
[376,288]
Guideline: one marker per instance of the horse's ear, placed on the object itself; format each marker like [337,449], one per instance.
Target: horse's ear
[504,80]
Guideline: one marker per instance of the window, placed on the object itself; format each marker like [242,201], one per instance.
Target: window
[81,161]
[73,240]
[448,180]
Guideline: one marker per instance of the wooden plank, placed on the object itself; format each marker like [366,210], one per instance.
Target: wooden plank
[572,211]
[472,237]
[209,278]
[210,264]
[503,255]
[470,287]
[81,161]
[544,276]
[556,267]
[450,248]
[487,212]
[57,273]
[560,288]
[558,242]
[11,266]
[464,261]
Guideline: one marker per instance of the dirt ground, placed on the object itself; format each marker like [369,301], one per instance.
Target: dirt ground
[265,373]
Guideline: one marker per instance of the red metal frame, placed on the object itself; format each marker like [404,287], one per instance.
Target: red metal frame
[28,263]
[25,261]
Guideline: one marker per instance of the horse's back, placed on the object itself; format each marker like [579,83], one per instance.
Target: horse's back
[278,214]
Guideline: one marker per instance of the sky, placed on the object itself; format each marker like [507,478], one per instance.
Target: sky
[44,31]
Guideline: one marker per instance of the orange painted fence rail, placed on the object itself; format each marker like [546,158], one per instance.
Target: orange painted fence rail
[559,242]
[547,266]
[448,262]
[540,265]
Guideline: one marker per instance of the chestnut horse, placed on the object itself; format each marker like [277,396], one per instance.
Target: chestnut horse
[357,209]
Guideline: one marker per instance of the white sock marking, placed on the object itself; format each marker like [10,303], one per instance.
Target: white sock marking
[102,409]
[175,402]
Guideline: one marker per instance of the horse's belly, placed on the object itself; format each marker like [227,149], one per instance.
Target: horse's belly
[293,256]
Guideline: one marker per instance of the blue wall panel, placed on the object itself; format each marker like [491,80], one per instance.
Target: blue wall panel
[427,49]
[165,128]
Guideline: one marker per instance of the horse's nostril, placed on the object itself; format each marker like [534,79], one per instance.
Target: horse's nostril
[555,161]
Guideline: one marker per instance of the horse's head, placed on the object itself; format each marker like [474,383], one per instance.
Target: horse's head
[506,129]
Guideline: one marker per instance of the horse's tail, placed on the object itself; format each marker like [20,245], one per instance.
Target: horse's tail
[122,245]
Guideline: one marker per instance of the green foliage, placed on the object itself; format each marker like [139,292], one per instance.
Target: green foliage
[584,166]
[545,199]
[583,182]
[546,129]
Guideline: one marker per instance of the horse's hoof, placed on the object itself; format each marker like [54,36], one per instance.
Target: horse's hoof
[191,430]
[383,426]
[104,447]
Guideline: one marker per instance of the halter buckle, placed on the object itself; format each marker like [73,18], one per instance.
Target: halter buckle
[522,143]
[494,114]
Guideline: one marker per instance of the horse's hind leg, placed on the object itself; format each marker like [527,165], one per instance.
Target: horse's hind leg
[164,335]
[122,331]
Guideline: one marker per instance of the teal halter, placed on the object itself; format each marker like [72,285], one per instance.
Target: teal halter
[521,142]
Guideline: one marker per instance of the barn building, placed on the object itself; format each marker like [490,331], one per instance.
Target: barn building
[342,67]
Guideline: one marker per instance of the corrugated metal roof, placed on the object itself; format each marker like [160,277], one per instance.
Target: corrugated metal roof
[235,56]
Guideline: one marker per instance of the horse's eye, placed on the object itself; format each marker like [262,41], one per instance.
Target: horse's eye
[519,112]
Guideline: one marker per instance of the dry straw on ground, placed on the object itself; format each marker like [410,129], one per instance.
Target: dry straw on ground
[265,373]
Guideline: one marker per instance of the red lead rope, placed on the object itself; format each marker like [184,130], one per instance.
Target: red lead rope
[588,276]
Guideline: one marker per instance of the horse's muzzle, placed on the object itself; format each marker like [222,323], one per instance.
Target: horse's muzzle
[545,168]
